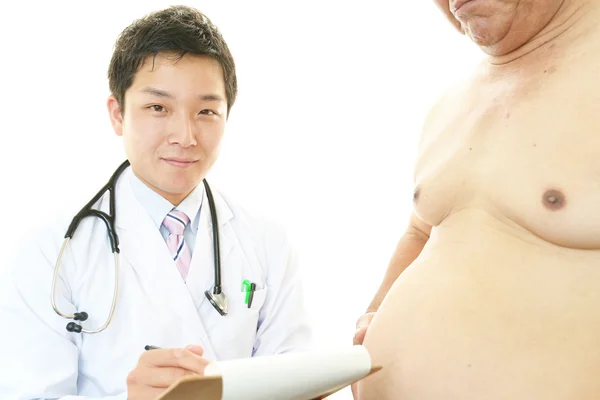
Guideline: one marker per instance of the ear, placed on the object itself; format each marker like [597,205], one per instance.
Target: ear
[115,114]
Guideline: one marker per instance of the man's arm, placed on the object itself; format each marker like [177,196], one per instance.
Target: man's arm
[417,234]
[39,358]
[408,249]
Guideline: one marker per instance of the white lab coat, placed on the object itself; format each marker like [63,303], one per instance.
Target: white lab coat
[40,359]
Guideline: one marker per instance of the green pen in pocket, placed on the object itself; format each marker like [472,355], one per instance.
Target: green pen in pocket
[247,287]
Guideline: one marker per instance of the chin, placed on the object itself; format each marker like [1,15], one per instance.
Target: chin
[174,184]
[482,36]
[481,39]
[487,32]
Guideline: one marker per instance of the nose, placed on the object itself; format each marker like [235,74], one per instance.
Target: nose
[184,131]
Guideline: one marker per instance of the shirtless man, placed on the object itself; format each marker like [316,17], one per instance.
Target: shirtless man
[501,297]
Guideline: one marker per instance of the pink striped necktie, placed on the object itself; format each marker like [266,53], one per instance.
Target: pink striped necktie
[175,222]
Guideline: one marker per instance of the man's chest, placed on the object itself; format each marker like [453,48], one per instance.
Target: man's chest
[533,160]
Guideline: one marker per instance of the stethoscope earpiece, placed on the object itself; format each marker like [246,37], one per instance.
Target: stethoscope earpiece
[80,316]
[73,327]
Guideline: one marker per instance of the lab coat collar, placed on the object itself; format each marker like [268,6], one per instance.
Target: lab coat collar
[158,207]
[195,199]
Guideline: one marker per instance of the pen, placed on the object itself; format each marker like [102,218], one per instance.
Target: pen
[252,289]
[150,347]
[246,286]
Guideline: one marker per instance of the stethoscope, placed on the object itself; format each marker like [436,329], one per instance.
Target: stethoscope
[216,297]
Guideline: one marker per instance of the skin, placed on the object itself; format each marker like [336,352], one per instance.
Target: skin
[500,27]
[499,263]
[159,369]
[172,124]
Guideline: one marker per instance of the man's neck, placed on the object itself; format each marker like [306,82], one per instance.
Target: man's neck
[174,198]
[573,23]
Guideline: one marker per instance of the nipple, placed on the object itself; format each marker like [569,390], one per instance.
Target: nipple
[416,194]
[553,199]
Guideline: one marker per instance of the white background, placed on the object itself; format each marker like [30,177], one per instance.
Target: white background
[332,96]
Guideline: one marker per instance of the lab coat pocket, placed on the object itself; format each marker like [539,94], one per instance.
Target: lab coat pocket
[258,299]
[234,335]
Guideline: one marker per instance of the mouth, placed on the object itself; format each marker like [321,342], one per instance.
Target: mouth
[180,162]
[459,4]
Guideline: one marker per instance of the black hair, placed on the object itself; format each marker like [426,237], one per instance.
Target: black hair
[178,30]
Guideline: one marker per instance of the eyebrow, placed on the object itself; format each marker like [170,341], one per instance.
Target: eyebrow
[157,92]
[211,97]
[161,93]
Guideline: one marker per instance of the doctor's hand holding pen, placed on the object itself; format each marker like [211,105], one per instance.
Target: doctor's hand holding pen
[157,369]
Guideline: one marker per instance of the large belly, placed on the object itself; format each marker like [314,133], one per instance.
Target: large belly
[489,313]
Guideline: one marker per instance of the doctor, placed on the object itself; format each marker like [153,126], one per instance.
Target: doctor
[173,84]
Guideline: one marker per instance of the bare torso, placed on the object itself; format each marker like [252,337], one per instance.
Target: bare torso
[504,300]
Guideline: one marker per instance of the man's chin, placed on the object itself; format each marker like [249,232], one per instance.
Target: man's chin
[171,189]
[178,190]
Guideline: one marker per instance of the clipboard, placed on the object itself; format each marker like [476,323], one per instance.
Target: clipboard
[292,376]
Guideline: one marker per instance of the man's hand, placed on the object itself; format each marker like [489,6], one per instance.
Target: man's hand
[158,369]
[361,327]
[359,335]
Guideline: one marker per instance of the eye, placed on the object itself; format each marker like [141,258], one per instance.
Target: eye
[208,112]
[157,108]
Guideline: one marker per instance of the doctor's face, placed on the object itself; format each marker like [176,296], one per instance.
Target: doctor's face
[173,122]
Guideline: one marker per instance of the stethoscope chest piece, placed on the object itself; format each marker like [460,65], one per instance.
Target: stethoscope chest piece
[218,301]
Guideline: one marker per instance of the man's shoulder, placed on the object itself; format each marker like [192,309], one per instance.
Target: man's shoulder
[49,229]
[37,246]
[456,90]
[447,104]
[244,212]
[252,220]
[446,98]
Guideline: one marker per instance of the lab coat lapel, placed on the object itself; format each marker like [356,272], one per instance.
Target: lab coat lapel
[231,336]
[144,248]
[202,272]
